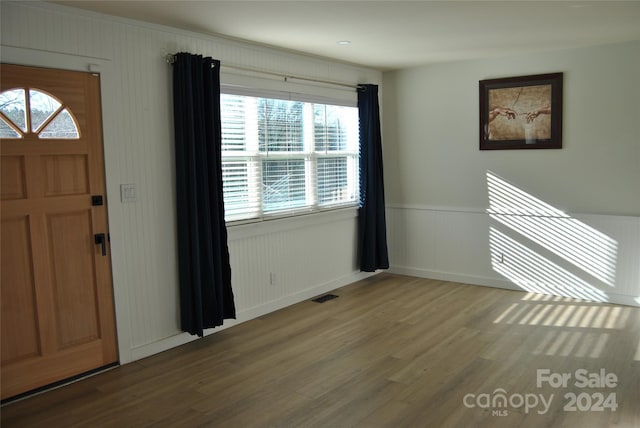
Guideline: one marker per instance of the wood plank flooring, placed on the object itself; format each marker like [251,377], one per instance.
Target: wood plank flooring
[391,351]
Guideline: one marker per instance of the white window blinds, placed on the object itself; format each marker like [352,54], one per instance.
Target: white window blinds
[281,157]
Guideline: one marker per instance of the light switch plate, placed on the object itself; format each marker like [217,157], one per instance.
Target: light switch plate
[128,193]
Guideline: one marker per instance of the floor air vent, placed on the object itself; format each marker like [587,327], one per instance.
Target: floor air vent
[324,298]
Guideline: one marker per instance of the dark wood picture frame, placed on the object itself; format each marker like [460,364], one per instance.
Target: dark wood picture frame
[523,112]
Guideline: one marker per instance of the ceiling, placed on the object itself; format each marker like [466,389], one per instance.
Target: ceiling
[394,34]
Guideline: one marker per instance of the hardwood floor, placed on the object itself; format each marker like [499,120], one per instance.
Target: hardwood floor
[391,351]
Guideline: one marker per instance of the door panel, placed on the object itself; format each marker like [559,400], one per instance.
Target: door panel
[70,237]
[13,182]
[57,299]
[18,301]
[66,175]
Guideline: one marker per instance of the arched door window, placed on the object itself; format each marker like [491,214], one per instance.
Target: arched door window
[33,111]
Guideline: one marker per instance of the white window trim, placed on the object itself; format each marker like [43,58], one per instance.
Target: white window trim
[308,154]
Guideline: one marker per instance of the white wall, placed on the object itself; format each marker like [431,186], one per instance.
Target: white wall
[437,178]
[309,255]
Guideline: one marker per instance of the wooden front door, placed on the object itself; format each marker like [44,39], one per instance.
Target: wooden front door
[56,292]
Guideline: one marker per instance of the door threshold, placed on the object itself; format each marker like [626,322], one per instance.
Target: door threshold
[59,384]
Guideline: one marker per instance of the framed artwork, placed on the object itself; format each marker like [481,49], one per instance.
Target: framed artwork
[523,112]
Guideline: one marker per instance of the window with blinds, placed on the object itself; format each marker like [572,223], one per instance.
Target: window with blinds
[283,157]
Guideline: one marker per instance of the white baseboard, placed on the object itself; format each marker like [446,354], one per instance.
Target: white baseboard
[244,315]
[618,299]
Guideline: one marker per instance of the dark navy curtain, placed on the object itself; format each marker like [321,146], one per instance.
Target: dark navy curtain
[206,298]
[372,228]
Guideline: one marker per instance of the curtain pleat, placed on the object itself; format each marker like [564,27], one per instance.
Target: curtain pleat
[372,229]
[206,297]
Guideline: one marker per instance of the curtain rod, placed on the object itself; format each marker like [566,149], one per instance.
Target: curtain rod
[171,58]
